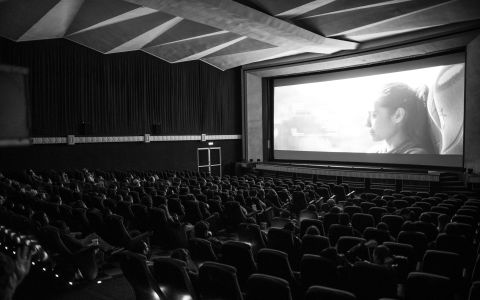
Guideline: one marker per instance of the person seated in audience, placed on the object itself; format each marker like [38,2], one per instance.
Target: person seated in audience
[384,227]
[312,230]
[332,254]
[290,226]
[184,255]
[382,256]
[400,119]
[201,230]
[13,271]
[443,220]
[310,211]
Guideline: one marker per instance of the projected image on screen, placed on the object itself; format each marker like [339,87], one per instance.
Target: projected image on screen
[417,111]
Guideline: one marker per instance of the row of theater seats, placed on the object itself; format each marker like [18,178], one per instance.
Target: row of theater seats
[343,223]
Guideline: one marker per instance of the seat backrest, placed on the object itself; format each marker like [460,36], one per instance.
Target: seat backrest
[280,239]
[137,273]
[172,278]
[299,202]
[400,203]
[314,244]
[240,256]
[474,291]
[304,224]
[443,263]
[279,222]
[352,209]
[372,281]
[456,244]
[346,243]
[325,293]
[329,219]
[366,206]
[252,234]
[116,231]
[125,210]
[377,213]
[425,286]
[233,214]
[265,287]
[201,250]
[336,231]
[193,213]
[218,281]
[394,223]
[418,240]
[275,263]
[317,270]
[462,229]
[372,233]
[405,250]
[362,221]
[427,228]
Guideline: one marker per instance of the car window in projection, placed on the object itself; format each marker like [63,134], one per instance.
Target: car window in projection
[13,105]
[404,113]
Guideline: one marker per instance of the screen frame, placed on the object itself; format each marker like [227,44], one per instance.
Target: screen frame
[369,69]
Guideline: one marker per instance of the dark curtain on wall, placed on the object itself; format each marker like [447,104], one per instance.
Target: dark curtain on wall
[76,90]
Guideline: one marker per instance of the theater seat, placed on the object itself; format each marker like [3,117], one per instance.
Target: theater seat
[218,282]
[314,244]
[201,250]
[362,221]
[136,271]
[370,281]
[444,263]
[317,270]
[352,209]
[394,223]
[265,287]
[345,243]
[275,263]
[240,256]
[377,213]
[425,286]
[326,293]
[283,240]
[336,231]
[404,250]
[380,236]
[304,224]
[251,233]
[474,293]
[418,240]
[172,278]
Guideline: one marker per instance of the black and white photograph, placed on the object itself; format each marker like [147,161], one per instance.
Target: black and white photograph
[239,150]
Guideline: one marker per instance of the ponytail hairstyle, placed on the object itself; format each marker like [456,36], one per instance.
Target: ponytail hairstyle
[415,122]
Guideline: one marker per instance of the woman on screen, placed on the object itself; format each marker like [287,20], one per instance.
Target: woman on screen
[400,118]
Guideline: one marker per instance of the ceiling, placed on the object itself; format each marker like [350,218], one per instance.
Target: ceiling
[226,33]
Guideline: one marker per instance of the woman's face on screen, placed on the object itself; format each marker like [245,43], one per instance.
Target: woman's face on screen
[381,123]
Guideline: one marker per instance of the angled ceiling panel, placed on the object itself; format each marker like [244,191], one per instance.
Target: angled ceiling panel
[339,23]
[18,16]
[193,48]
[245,21]
[186,29]
[109,37]
[274,7]
[442,14]
[55,23]
[246,45]
[96,11]
[339,6]
[225,62]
